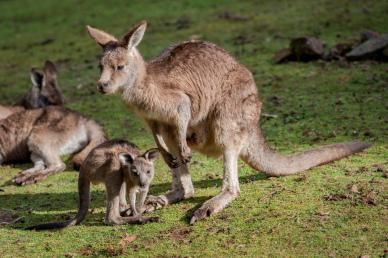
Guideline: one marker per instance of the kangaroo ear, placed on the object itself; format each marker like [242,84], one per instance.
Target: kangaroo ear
[101,37]
[36,77]
[50,71]
[151,154]
[125,159]
[134,35]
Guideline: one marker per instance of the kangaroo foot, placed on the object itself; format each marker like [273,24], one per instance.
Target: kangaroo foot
[212,206]
[131,220]
[28,177]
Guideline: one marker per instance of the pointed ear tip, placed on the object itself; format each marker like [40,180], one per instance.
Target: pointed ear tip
[49,63]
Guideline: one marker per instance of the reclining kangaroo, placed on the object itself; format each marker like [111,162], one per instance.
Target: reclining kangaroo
[44,91]
[121,167]
[196,94]
[42,135]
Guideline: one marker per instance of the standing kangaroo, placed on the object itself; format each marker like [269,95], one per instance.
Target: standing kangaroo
[121,167]
[196,94]
[44,91]
[42,135]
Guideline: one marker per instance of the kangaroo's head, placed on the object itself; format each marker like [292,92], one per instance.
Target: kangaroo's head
[120,63]
[139,170]
[44,91]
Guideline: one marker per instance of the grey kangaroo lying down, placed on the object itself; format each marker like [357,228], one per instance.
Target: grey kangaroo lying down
[42,136]
[123,170]
[195,95]
[44,91]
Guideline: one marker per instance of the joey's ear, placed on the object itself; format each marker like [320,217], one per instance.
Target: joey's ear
[49,70]
[151,154]
[36,77]
[101,37]
[125,159]
[134,35]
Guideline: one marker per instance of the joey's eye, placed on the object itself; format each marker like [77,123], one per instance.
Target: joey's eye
[148,172]
[120,67]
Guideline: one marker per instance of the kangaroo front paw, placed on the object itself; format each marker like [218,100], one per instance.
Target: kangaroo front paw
[154,203]
[170,160]
[186,155]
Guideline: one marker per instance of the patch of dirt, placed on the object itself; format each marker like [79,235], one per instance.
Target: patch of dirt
[125,241]
[183,22]
[362,193]
[8,217]
[241,40]
[336,197]
[179,234]
[277,189]
[231,16]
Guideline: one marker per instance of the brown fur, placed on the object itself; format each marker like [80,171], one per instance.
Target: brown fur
[196,94]
[44,91]
[108,164]
[43,135]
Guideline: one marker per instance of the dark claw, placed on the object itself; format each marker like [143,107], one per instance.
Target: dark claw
[200,214]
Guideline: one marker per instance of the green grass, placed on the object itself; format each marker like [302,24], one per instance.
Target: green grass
[314,214]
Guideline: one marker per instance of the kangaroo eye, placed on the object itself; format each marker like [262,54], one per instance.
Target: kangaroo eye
[120,67]
[148,172]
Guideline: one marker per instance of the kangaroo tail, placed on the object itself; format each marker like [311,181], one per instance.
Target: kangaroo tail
[96,136]
[259,156]
[84,202]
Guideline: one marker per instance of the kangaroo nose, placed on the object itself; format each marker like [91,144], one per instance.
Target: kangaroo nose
[102,85]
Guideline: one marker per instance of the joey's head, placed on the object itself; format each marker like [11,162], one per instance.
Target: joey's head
[121,63]
[139,170]
[45,90]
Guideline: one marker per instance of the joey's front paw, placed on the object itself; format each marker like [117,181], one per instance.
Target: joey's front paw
[126,212]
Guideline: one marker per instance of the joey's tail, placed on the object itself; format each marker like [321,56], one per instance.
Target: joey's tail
[261,157]
[96,136]
[84,202]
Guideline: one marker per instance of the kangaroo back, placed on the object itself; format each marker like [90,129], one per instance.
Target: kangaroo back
[96,136]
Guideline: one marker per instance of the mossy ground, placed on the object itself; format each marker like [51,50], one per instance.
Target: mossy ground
[336,210]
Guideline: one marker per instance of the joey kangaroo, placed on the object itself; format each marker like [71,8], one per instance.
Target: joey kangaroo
[44,91]
[121,167]
[42,135]
[197,94]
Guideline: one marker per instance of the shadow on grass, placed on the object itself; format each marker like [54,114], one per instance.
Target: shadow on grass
[33,206]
